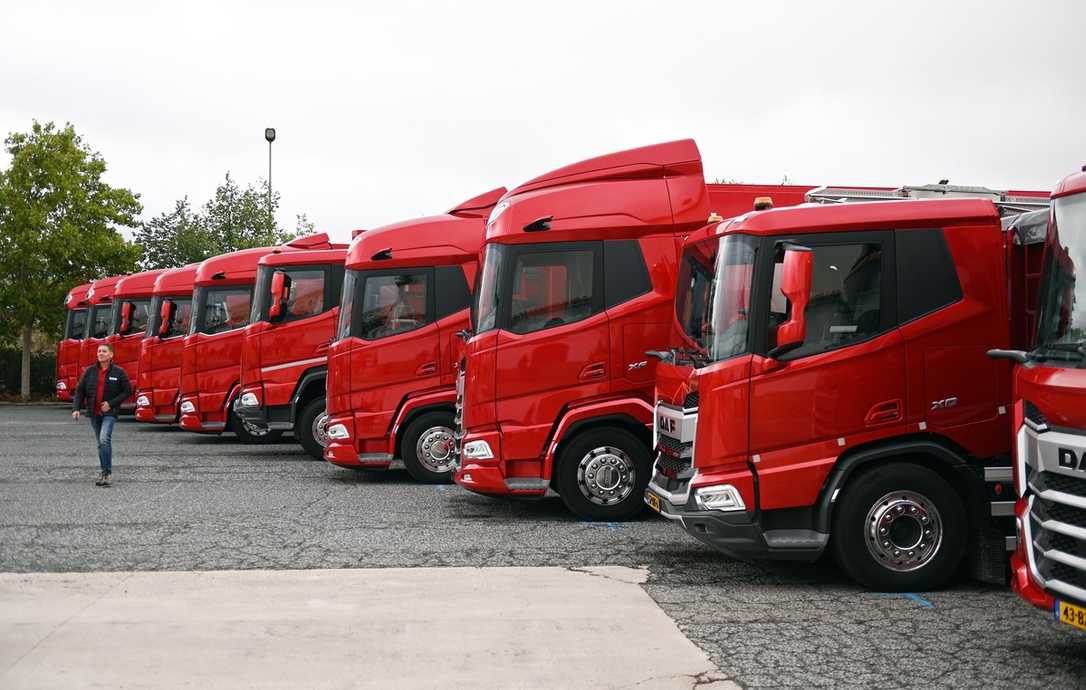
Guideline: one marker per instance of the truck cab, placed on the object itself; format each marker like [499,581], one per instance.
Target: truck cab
[392,369]
[99,320]
[1049,564]
[211,356]
[830,389]
[75,327]
[128,323]
[578,275]
[159,380]
[284,360]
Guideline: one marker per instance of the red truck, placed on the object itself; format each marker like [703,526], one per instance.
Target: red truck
[831,389]
[392,369]
[284,359]
[75,327]
[1049,563]
[211,356]
[99,320]
[159,379]
[128,322]
[577,283]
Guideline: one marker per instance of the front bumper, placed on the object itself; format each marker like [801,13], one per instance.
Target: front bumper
[487,475]
[162,407]
[194,420]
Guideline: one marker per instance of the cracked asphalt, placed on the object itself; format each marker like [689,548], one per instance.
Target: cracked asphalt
[184,502]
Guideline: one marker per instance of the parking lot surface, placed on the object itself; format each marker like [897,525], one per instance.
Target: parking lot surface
[183,502]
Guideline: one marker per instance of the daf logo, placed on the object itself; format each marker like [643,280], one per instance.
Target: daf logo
[666,424]
[1070,461]
[90,293]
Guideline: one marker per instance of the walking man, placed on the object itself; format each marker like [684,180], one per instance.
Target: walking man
[102,389]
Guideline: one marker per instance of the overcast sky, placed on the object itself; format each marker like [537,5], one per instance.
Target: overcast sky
[404,109]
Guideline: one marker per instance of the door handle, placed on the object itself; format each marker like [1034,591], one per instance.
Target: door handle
[596,370]
[889,411]
[428,369]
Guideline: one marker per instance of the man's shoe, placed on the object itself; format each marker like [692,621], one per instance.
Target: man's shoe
[105,478]
[101,481]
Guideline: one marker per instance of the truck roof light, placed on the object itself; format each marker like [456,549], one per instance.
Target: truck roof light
[763,203]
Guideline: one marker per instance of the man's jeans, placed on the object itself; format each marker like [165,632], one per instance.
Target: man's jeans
[103,431]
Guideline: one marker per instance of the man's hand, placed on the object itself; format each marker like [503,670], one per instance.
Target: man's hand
[105,407]
[75,415]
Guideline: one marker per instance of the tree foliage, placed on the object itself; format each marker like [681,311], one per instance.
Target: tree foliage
[59,225]
[234,218]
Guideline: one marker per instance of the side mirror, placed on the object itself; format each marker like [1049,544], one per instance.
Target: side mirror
[126,316]
[278,295]
[796,286]
[165,315]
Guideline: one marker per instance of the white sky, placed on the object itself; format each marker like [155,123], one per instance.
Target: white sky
[394,110]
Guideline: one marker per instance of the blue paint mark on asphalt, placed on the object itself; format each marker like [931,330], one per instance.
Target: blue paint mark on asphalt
[440,488]
[909,595]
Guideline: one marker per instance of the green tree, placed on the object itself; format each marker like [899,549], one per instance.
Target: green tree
[59,226]
[234,218]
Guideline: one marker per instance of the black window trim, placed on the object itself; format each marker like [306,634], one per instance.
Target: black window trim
[642,272]
[760,299]
[953,267]
[360,290]
[505,281]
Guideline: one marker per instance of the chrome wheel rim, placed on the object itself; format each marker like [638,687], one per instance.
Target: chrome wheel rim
[903,531]
[606,475]
[434,449]
[318,429]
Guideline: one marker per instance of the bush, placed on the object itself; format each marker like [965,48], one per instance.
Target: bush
[43,367]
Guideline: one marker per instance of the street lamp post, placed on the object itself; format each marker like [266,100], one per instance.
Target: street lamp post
[269,134]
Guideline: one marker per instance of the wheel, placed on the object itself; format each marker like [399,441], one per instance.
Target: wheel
[899,528]
[309,428]
[602,475]
[427,447]
[251,434]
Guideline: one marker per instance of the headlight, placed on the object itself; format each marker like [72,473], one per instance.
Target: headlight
[187,407]
[143,401]
[338,432]
[477,450]
[249,400]
[61,386]
[725,498]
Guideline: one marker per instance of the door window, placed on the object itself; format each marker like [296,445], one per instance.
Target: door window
[845,302]
[551,289]
[306,295]
[103,317]
[394,303]
[137,322]
[181,318]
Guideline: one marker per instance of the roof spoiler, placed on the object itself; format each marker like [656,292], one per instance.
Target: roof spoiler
[318,241]
[483,202]
[658,160]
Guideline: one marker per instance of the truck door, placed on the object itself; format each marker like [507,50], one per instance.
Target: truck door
[847,378]
[554,342]
[396,352]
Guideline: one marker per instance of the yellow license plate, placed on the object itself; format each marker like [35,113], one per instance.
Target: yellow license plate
[654,501]
[1071,614]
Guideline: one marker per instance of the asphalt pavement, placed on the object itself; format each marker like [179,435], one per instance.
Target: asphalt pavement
[182,502]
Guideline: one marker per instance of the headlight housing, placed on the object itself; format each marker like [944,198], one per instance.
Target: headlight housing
[187,407]
[143,401]
[724,497]
[338,432]
[61,386]
[477,450]
[249,400]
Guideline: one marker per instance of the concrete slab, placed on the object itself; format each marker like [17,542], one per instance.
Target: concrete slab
[402,628]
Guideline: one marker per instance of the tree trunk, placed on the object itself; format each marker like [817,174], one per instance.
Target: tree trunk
[25,384]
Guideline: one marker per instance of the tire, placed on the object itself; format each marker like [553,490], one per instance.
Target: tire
[925,525]
[426,447]
[625,462]
[252,435]
[308,428]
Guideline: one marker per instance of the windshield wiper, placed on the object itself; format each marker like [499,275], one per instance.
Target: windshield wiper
[1063,352]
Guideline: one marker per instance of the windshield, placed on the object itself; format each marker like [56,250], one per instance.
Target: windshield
[1062,323]
[713,297]
[219,310]
[484,309]
[77,322]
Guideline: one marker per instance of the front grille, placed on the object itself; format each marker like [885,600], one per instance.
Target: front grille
[671,466]
[1052,570]
[691,400]
[1033,414]
[1062,542]
[1050,481]
[671,446]
[1060,512]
